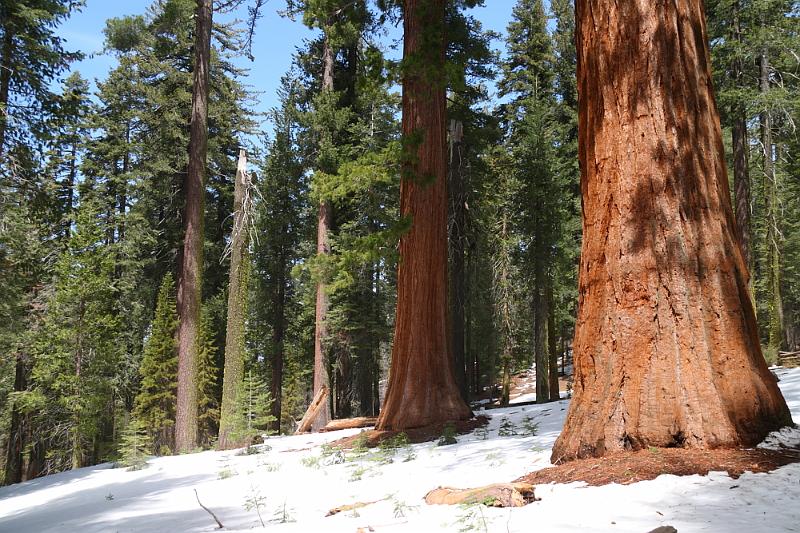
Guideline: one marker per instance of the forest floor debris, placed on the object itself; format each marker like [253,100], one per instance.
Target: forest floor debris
[632,467]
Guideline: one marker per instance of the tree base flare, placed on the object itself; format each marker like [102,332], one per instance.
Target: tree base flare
[515,494]
[625,468]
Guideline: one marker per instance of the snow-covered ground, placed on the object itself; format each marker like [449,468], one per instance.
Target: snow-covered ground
[295,484]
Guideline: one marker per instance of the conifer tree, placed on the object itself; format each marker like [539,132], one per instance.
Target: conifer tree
[191,276]
[134,445]
[208,408]
[422,388]
[528,79]
[31,55]
[154,406]
[282,226]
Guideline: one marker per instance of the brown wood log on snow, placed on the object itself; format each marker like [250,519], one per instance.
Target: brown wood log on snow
[312,411]
[789,359]
[495,495]
[350,423]
[350,507]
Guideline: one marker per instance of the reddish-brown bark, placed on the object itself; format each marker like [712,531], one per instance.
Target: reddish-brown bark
[666,346]
[324,221]
[190,282]
[422,389]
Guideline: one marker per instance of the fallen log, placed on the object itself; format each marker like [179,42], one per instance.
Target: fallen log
[789,359]
[312,411]
[350,507]
[515,494]
[350,423]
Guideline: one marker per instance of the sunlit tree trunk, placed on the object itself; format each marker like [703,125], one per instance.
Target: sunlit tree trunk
[422,389]
[190,283]
[324,222]
[235,348]
[666,345]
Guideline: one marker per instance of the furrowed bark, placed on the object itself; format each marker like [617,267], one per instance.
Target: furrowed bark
[324,222]
[422,389]
[190,283]
[666,346]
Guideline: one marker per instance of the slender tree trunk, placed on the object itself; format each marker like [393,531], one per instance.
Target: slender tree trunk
[541,357]
[552,343]
[5,79]
[666,344]
[190,284]
[457,225]
[324,222]
[16,434]
[422,389]
[776,326]
[741,175]
[278,342]
[235,349]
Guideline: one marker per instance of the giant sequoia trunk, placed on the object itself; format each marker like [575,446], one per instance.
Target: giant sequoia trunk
[324,221]
[666,344]
[422,389]
[190,284]
[237,306]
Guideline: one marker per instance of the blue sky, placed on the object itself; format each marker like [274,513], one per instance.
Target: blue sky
[275,41]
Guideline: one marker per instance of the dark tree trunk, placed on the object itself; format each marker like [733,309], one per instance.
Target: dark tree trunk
[666,344]
[16,434]
[190,283]
[235,348]
[741,175]
[422,389]
[541,357]
[324,222]
[457,224]
[5,79]
[278,342]
[552,344]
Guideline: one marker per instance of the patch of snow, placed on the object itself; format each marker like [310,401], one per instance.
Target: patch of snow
[295,476]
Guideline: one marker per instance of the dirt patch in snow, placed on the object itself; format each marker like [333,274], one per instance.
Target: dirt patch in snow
[630,467]
[415,435]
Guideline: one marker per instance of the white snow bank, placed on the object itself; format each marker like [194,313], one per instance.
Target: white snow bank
[291,481]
